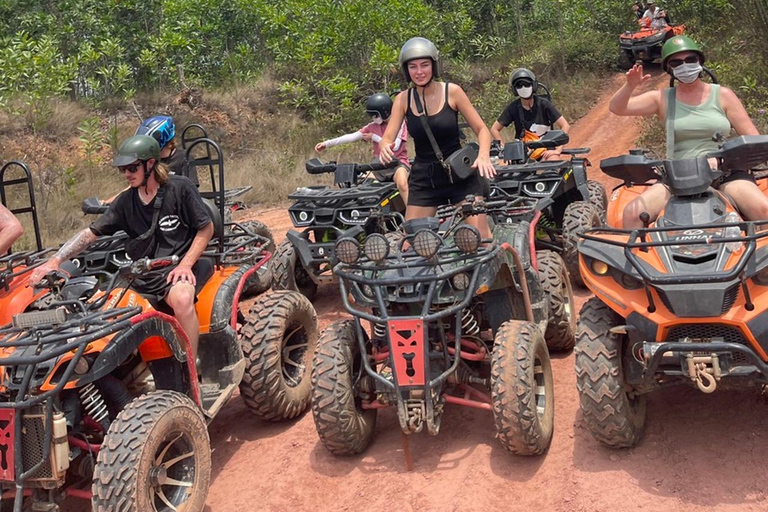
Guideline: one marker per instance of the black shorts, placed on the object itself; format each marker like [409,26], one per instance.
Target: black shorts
[737,175]
[154,285]
[387,175]
[428,185]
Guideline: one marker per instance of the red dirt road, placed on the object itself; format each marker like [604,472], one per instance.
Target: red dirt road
[699,452]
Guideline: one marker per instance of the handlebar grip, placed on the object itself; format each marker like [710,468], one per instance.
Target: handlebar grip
[315,166]
[92,205]
[376,166]
[161,262]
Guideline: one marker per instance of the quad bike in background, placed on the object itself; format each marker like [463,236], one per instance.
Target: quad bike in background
[452,319]
[569,203]
[646,43]
[108,252]
[101,399]
[683,300]
[305,259]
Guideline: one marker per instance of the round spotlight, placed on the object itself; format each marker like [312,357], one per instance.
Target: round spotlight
[467,238]
[460,281]
[426,243]
[599,268]
[376,247]
[540,186]
[303,216]
[347,250]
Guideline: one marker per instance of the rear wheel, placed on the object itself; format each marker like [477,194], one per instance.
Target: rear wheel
[155,457]
[522,389]
[561,326]
[288,273]
[278,340]
[579,216]
[598,198]
[614,418]
[344,427]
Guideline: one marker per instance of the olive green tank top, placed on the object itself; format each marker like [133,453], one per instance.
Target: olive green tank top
[694,125]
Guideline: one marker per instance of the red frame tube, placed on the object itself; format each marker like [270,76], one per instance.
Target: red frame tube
[83,494]
[79,443]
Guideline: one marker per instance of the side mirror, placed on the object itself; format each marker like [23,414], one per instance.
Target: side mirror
[92,205]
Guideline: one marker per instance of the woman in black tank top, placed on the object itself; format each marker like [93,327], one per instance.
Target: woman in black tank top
[429,184]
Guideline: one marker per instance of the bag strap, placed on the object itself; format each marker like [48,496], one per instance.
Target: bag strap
[670,121]
[423,118]
[155,216]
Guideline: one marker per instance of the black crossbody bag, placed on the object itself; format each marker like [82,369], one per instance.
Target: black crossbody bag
[459,164]
[145,244]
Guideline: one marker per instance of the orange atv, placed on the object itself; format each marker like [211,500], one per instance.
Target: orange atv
[646,43]
[99,396]
[683,300]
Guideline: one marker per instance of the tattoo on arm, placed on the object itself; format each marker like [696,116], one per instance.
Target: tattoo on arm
[75,245]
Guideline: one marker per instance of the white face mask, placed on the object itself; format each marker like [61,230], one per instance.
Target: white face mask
[525,92]
[687,73]
[377,120]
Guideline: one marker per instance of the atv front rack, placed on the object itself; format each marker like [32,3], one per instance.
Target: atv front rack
[637,240]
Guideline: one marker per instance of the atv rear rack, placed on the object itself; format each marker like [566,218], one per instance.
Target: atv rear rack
[10,263]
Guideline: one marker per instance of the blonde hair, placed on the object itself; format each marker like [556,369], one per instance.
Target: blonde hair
[161,173]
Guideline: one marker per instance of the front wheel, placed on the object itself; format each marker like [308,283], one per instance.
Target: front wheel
[579,216]
[278,341]
[344,427]
[522,389]
[288,273]
[614,418]
[561,325]
[626,60]
[156,456]
[598,198]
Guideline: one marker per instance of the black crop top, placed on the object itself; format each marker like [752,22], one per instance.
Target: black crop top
[444,126]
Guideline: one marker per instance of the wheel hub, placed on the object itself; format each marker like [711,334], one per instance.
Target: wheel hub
[158,476]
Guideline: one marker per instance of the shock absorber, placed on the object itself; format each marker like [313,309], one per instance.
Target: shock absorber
[94,403]
[469,325]
[379,331]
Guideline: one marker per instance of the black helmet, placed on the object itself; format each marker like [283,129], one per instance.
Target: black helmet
[522,74]
[138,147]
[419,48]
[379,103]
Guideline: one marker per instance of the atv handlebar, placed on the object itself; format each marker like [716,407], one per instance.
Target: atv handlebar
[316,166]
[92,205]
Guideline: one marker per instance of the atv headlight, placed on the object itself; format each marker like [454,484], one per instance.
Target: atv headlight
[302,218]
[354,215]
[599,267]
[376,247]
[460,281]
[540,188]
[655,38]
[426,243]
[467,238]
[347,250]
[628,282]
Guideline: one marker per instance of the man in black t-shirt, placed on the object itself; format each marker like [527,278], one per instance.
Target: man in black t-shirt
[183,228]
[532,115]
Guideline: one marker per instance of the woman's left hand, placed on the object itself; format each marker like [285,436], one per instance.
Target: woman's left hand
[484,167]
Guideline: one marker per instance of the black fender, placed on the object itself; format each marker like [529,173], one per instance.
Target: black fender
[580,176]
[224,303]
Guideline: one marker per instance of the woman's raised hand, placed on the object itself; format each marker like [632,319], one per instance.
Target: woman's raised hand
[636,77]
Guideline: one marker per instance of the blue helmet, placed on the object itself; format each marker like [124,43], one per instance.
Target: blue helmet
[159,127]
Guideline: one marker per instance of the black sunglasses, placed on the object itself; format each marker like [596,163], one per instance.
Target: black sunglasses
[130,168]
[523,84]
[691,59]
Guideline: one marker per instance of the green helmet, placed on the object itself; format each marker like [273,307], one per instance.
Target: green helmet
[419,48]
[138,147]
[679,44]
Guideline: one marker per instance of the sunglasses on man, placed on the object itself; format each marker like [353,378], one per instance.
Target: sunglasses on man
[130,168]
[691,59]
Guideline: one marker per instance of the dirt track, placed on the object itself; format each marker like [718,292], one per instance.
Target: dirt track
[699,452]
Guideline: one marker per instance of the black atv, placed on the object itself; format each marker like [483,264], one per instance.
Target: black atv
[304,259]
[449,319]
[568,202]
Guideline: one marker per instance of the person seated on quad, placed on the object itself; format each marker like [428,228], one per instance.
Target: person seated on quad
[638,8]
[10,229]
[656,15]
[379,107]
[533,115]
[163,129]
[429,183]
[182,227]
[701,110]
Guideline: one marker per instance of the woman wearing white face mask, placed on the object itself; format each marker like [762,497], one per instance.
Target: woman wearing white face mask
[379,107]
[532,115]
[700,111]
